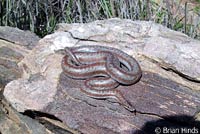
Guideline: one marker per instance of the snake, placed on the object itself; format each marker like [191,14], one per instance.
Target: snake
[103,69]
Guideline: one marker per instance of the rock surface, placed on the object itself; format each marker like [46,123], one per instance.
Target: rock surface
[14,45]
[168,88]
[12,122]
[17,36]
[11,53]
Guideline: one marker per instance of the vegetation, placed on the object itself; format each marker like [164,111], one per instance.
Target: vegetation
[41,16]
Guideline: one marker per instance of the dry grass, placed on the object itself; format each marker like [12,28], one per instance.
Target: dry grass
[41,16]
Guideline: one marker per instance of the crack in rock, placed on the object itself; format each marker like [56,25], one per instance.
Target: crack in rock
[80,39]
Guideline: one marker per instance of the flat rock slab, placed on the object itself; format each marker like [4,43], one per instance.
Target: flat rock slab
[9,69]
[154,98]
[20,37]
[12,122]
[171,50]
[14,45]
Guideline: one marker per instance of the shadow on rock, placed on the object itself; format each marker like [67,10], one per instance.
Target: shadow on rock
[181,124]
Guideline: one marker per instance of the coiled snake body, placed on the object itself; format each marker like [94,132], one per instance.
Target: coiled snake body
[104,68]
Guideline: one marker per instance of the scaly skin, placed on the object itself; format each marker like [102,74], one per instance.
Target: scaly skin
[100,66]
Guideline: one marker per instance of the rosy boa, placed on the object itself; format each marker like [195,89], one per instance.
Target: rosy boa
[103,69]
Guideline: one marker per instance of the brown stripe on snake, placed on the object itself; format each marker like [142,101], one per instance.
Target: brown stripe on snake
[100,66]
[125,77]
[102,83]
